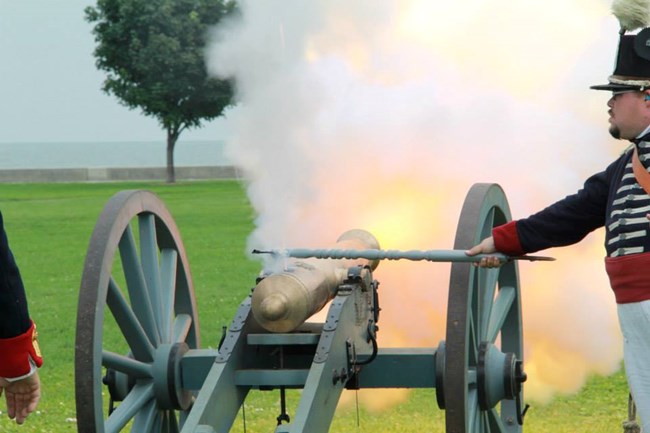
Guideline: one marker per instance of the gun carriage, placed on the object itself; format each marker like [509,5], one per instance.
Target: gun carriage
[136,293]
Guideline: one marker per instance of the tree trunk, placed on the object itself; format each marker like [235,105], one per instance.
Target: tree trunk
[172,136]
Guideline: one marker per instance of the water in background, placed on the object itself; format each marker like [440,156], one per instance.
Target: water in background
[109,155]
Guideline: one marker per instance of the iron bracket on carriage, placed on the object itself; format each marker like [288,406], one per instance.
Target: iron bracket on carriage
[139,364]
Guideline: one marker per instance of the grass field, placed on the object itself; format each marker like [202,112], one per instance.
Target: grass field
[49,227]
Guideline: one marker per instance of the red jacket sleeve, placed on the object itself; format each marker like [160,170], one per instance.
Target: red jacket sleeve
[506,239]
[16,352]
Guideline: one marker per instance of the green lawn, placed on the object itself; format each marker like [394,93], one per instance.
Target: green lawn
[49,227]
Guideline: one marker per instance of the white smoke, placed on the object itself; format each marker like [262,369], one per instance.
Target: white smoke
[352,113]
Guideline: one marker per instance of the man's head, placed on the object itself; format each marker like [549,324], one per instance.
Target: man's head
[629,113]
[630,83]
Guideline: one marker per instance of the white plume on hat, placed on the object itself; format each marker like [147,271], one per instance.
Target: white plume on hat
[632,14]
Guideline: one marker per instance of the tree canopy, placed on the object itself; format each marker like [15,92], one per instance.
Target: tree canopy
[153,52]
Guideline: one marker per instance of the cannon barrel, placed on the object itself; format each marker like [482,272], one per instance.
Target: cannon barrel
[283,301]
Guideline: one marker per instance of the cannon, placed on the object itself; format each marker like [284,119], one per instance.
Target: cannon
[139,364]
[284,300]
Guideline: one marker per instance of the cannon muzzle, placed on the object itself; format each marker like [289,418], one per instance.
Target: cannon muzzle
[283,301]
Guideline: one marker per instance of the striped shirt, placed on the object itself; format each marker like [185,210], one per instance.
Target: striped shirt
[627,228]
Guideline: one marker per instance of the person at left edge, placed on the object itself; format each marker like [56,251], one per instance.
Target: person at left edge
[20,355]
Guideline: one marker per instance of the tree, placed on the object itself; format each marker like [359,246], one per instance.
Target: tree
[153,53]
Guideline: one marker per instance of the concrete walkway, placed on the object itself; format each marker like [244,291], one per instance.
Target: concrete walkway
[54,175]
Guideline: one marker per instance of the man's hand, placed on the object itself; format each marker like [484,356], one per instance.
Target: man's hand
[485,247]
[22,396]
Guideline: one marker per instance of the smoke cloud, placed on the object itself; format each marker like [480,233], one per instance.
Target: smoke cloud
[381,114]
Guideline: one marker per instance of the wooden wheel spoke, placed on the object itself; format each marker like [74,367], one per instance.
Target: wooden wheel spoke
[182,326]
[473,411]
[487,427]
[473,342]
[137,285]
[147,419]
[168,265]
[139,396]
[128,323]
[502,306]
[488,223]
[168,422]
[150,265]
[471,377]
[494,420]
[487,287]
[126,365]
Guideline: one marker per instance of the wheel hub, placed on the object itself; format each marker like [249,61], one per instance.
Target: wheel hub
[500,376]
[167,384]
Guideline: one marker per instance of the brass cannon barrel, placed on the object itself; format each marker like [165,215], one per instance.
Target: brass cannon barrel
[283,301]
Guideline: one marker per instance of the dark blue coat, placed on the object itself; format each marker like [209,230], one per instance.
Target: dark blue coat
[569,220]
[14,316]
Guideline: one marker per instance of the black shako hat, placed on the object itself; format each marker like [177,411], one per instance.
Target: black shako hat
[632,70]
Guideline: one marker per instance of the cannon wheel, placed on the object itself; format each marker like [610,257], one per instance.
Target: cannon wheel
[136,317]
[484,328]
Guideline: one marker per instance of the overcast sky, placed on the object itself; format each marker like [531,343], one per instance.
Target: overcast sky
[50,87]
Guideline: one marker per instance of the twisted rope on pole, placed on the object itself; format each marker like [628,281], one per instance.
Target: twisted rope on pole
[415,255]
